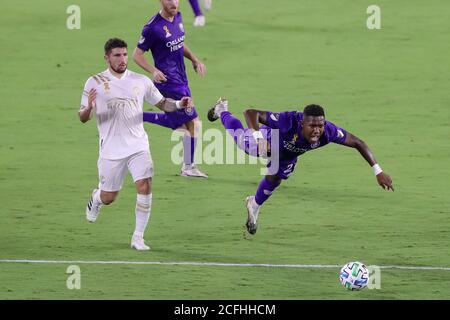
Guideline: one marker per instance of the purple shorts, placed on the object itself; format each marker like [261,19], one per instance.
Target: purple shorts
[245,141]
[284,170]
[177,118]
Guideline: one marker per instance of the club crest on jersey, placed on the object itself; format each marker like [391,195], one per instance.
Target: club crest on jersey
[180,25]
[294,138]
[136,91]
[189,111]
[166,29]
[106,86]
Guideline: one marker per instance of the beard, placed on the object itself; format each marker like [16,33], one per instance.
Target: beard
[119,69]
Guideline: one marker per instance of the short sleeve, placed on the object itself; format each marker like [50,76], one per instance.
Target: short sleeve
[152,94]
[279,120]
[147,39]
[335,134]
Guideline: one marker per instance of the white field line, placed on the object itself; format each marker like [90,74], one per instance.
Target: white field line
[215,264]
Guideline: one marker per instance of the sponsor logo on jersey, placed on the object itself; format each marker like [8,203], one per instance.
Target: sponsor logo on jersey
[120,103]
[289,146]
[176,44]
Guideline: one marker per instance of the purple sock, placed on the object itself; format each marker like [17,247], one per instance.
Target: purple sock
[230,122]
[265,190]
[189,144]
[157,118]
[236,130]
[196,8]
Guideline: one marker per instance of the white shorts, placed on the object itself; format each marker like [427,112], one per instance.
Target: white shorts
[111,173]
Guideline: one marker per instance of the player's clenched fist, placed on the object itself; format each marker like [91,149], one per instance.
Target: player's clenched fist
[186,102]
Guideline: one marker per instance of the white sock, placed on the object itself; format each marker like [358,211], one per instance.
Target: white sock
[255,207]
[143,205]
[253,203]
[96,200]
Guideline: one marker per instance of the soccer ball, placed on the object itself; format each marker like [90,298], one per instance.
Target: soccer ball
[354,276]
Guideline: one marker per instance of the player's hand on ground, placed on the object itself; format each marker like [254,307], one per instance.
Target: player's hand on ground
[186,102]
[385,181]
[199,67]
[158,76]
[92,96]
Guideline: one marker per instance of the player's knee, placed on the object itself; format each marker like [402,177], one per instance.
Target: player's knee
[274,179]
[144,186]
[108,197]
[195,127]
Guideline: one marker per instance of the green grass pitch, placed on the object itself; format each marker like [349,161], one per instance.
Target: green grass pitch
[388,86]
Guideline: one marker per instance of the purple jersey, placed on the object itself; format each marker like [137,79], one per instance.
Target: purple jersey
[165,39]
[291,142]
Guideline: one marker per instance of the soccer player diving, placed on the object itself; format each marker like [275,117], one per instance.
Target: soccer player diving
[296,133]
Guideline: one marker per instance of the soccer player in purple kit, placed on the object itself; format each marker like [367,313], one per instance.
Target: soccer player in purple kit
[164,36]
[298,132]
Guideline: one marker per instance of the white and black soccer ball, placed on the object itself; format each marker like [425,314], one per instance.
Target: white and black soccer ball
[354,276]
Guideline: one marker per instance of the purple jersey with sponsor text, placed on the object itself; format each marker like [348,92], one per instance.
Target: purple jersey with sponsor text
[165,40]
[291,142]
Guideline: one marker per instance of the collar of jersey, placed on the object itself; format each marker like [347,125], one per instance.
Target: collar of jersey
[113,77]
[171,22]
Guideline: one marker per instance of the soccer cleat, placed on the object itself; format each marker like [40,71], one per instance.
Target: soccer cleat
[199,21]
[252,215]
[92,210]
[220,106]
[139,244]
[207,4]
[191,170]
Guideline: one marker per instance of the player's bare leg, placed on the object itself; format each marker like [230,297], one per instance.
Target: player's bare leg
[97,200]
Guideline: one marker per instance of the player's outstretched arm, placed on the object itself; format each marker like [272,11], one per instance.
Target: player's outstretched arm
[170,105]
[85,112]
[384,180]
[139,58]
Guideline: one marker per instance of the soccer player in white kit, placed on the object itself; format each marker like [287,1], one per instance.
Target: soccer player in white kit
[116,96]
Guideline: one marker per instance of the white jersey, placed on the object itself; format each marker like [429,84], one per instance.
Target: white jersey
[119,111]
